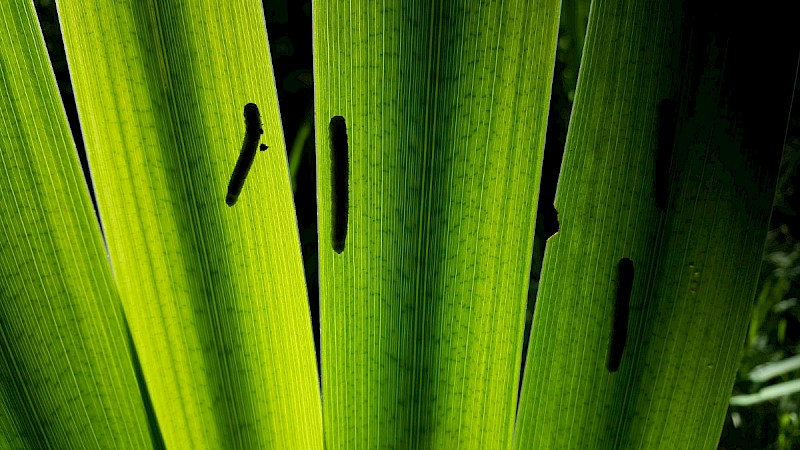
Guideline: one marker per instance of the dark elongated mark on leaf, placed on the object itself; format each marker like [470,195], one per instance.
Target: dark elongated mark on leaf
[340,189]
[619,331]
[252,134]
[667,123]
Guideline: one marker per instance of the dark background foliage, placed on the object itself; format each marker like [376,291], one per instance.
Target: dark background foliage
[775,327]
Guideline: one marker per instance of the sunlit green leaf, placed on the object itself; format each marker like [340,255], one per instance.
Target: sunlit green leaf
[66,378]
[215,295]
[423,312]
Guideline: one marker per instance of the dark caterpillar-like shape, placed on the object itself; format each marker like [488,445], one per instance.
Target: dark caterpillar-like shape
[252,134]
[340,189]
[619,331]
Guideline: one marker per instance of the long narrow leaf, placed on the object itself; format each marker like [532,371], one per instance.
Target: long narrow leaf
[66,378]
[214,294]
[691,217]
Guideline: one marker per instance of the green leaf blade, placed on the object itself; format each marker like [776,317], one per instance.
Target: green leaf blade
[696,258]
[66,379]
[215,295]
[422,314]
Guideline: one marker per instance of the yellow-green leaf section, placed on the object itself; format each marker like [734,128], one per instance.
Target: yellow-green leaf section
[66,378]
[215,295]
[422,313]
[696,259]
